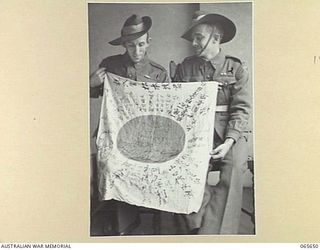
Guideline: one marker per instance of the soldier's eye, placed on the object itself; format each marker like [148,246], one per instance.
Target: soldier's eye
[141,44]
[198,38]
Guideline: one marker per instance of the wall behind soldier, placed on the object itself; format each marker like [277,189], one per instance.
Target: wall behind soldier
[106,20]
[241,45]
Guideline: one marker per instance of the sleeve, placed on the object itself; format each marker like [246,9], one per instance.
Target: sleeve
[240,105]
[178,76]
[96,92]
[164,76]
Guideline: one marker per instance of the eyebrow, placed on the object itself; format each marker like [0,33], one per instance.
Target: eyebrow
[131,43]
[197,34]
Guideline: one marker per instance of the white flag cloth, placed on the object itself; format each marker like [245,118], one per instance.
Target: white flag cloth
[154,141]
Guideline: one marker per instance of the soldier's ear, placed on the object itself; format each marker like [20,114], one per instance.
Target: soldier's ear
[149,40]
[216,38]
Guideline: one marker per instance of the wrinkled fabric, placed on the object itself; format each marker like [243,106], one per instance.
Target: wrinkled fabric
[154,141]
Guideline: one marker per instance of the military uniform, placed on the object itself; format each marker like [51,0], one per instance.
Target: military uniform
[146,70]
[221,207]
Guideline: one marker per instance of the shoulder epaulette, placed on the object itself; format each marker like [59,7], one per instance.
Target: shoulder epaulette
[190,58]
[110,60]
[234,58]
[157,65]
[114,58]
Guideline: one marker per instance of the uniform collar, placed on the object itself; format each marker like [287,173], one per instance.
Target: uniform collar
[218,59]
[129,62]
[143,62]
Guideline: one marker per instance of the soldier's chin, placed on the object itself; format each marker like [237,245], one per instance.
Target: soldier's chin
[136,59]
[197,51]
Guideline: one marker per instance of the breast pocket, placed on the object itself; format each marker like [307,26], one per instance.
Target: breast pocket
[226,80]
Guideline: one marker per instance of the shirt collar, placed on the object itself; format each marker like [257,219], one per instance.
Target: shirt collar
[218,59]
[143,62]
[128,61]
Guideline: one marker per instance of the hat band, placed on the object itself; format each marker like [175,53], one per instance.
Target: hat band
[194,20]
[200,16]
[128,30]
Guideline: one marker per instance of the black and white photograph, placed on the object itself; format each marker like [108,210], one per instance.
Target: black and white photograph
[171,119]
[159,123]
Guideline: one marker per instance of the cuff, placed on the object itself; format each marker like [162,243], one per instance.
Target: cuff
[96,92]
[234,134]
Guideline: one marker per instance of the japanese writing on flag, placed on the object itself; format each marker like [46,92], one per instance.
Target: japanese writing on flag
[154,141]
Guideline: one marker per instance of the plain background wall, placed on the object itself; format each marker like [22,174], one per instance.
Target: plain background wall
[105,23]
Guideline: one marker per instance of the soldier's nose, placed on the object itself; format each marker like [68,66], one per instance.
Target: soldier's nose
[194,43]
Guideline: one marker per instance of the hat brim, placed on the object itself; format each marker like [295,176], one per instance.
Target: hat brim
[120,40]
[229,28]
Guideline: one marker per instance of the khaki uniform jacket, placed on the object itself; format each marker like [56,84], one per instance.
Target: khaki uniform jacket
[146,70]
[235,91]
[221,206]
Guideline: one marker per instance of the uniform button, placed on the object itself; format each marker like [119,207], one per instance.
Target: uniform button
[208,76]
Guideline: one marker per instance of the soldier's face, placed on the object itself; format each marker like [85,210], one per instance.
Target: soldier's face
[137,48]
[200,36]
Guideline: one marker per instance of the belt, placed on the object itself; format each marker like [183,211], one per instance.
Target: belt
[222,108]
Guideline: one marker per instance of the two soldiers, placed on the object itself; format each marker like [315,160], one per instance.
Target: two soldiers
[221,207]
